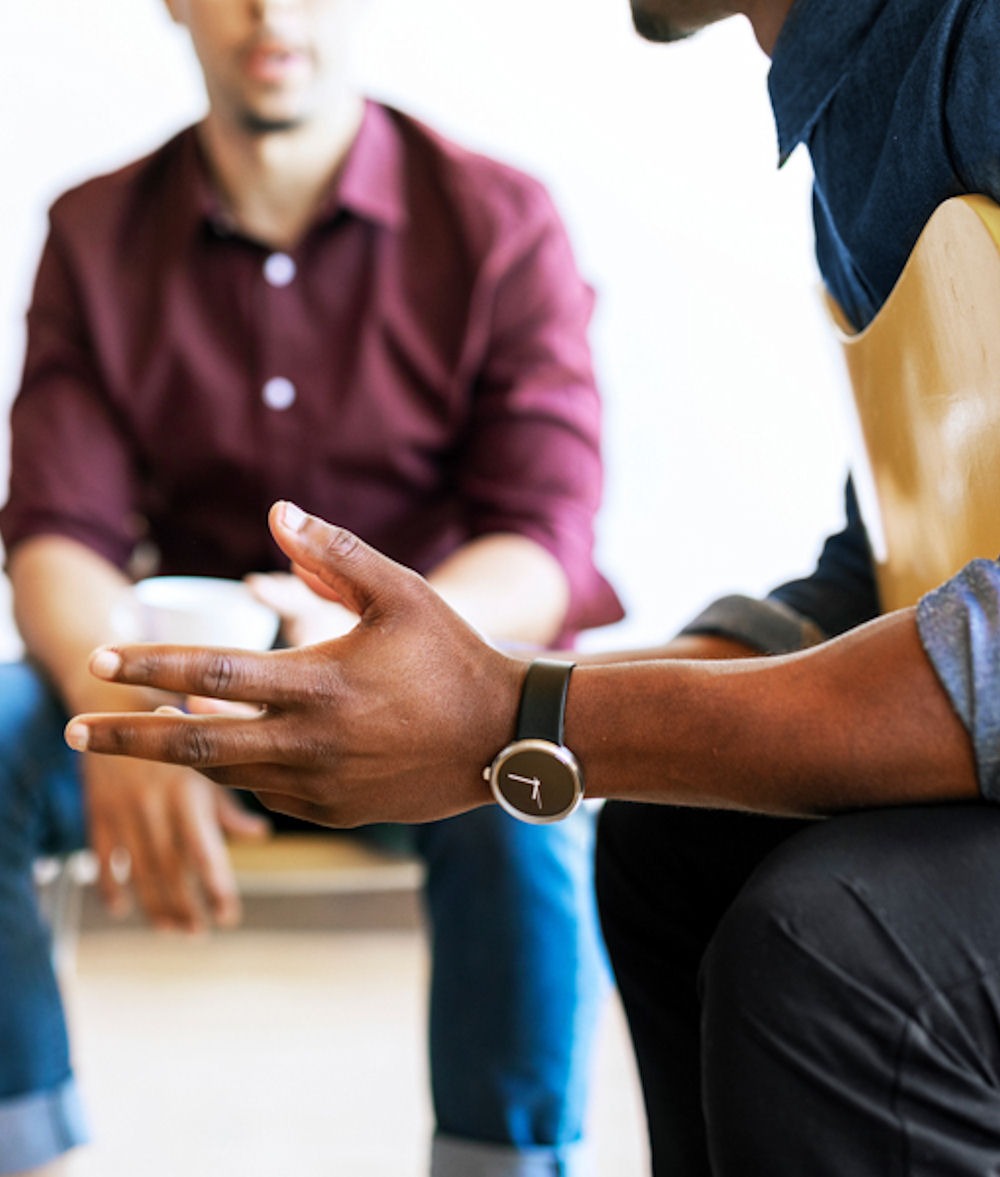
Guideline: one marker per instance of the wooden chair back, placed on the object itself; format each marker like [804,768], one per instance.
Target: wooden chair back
[925,375]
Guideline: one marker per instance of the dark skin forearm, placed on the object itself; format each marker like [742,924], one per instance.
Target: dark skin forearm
[686,646]
[858,721]
[396,720]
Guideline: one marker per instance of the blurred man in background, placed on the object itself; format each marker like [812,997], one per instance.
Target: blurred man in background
[312,295]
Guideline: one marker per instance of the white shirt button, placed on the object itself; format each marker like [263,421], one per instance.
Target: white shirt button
[279,269]
[279,393]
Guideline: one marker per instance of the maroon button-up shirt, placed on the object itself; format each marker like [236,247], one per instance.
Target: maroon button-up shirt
[417,369]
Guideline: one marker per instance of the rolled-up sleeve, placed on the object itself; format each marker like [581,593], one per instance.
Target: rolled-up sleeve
[533,462]
[959,626]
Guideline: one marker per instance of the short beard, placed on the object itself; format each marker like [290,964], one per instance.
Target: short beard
[259,125]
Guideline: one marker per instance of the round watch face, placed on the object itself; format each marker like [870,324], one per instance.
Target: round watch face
[537,781]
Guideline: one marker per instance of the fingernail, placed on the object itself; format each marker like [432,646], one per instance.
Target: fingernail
[77,735]
[105,663]
[292,517]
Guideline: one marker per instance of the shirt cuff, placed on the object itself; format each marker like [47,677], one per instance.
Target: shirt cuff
[959,625]
[767,626]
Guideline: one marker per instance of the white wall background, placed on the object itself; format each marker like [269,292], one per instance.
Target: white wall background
[725,439]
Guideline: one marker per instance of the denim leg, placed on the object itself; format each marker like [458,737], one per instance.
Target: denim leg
[517,987]
[41,812]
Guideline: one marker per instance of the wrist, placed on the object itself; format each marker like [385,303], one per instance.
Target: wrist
[536,777]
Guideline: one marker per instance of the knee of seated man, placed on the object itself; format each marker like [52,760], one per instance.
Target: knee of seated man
[859,937]
[814,926]
[31,747]
[26,697]
[31,716]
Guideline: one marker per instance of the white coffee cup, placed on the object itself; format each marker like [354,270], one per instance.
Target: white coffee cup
[202,611]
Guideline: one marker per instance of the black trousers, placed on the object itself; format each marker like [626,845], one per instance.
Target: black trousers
[810,999]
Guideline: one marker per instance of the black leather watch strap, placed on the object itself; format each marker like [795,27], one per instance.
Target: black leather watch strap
[543,700]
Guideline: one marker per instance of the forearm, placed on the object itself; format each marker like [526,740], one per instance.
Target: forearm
[396,720]
[858,721]
[508,587]
[685,647]
[66,601]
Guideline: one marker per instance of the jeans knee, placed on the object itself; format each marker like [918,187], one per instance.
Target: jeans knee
[40,807]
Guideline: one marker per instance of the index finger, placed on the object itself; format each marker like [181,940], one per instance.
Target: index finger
[240,676]
[201,742]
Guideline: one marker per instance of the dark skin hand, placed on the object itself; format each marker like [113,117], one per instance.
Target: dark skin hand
[396,720]
[365,727]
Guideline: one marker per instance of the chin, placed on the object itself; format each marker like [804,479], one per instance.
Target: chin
[258,123]
[653,25]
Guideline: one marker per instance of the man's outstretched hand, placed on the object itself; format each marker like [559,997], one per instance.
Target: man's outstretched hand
[394,721]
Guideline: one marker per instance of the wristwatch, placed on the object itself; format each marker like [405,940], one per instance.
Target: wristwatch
[536,778]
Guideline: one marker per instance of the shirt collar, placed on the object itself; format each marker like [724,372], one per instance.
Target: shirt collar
[814,51]
[370,184]
[206,204]
[372,180]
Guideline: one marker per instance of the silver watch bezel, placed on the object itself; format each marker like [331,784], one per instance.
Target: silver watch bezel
[557,752]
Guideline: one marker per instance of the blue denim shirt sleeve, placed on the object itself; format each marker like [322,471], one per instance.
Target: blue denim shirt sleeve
[959,626]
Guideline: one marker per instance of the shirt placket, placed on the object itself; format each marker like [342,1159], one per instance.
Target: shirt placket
[279,390]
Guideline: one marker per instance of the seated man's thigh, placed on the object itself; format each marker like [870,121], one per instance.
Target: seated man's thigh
[851,1001]
[665,876]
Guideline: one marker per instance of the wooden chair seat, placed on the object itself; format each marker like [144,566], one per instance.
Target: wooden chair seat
[285,865]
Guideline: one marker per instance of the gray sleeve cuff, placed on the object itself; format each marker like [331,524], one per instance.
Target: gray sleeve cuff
[959,626]
[767,626]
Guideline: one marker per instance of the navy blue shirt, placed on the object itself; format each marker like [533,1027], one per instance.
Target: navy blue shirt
[898,104]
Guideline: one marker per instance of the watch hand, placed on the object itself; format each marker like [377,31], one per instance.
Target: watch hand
[536,786]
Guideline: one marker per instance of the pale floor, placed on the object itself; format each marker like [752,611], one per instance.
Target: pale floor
[266,1053]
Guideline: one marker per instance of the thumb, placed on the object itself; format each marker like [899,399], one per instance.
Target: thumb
[358,575]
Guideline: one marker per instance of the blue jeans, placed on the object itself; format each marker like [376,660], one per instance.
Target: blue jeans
[517,983]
